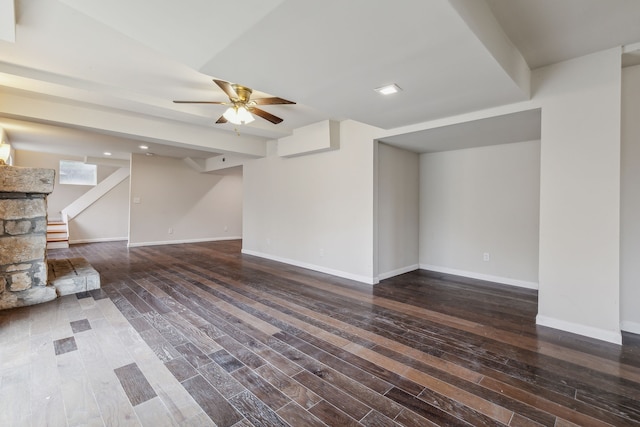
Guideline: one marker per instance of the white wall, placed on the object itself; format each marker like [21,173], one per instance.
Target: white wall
[477,201]
[398,196]
[195,206]
[107,219]
[630,201]
[317,210]
[63,194]
[580,195]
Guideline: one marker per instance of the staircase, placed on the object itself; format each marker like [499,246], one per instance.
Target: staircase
[57,226]
[57,234]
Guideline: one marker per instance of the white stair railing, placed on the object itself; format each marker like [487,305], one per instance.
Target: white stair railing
[91,196]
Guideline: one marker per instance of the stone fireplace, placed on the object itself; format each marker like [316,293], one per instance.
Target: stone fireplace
[23,236]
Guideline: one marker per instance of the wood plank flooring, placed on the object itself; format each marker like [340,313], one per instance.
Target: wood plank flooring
[255,342]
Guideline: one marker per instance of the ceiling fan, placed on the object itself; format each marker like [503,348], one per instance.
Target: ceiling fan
[241,106]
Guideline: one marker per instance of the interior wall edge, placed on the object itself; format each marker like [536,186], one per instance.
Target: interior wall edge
[177,242]
[487,277]
[629,326]
[614,337]
[345,275]
[99,240]
[398,271]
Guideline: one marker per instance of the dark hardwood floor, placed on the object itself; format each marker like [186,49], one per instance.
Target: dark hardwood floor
[261,343]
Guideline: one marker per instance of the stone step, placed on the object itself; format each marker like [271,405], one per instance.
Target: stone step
[72,275]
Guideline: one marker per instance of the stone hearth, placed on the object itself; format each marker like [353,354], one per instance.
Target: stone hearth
[72,275]
[23,236]
[23,242]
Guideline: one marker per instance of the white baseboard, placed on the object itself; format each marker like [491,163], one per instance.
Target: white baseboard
[98,240]
[398,271]
[314,267]
[178,242]
[480,276]
[576,328]
[629,326]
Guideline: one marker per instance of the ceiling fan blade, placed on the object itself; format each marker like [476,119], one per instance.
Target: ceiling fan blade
[271,101]
[227,88]
[267,116]
[221,120]
[200,102]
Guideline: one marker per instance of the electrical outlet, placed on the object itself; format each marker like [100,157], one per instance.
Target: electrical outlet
[486,256]
[170,231]
[321,252]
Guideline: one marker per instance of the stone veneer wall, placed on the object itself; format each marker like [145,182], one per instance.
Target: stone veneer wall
[23,236]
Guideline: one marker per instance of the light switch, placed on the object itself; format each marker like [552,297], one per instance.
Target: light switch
[136,200]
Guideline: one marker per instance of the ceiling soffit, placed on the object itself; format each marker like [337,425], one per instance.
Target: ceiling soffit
[502,129]
[550,31]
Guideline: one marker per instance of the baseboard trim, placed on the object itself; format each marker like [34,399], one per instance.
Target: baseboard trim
[629,326]
[398,271]
[314,267]
[576,328]
[98,240]
[480,276]
[179,242]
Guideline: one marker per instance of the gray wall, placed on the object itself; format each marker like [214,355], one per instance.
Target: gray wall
[178,204]
[477,201]
[630,202]
[398,210]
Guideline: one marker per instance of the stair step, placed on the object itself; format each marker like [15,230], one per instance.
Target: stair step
[58,245]
[57,234]
[56,231]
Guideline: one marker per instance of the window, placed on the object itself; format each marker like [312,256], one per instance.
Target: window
[77,173]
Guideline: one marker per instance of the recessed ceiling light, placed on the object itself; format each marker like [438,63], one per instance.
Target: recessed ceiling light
[106,153]
[388,89]
[143,147]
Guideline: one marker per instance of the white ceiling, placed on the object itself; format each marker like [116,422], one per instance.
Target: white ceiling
[90,75]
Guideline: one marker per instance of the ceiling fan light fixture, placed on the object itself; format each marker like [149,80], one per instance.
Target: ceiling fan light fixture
[242,109]
[238,115]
